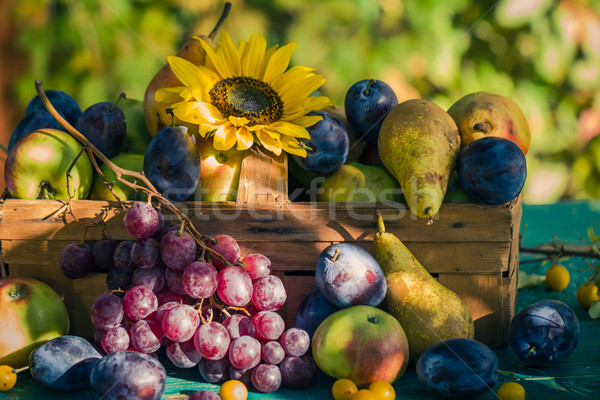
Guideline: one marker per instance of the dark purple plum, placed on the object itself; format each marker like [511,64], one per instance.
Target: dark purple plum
[327,148]
[64,363]
[122,257]
[298,373]
[214,371]
[76,260]
[145,253]
[266,378]
[492,170]
[103,251]
[178,250]
[313,309]
[172,162]
[33,122]
[64,103]
[128,375]
[141,220]
[366,104]
[153,278]
[544,333]
[458,368]
[104,125]
[117,279]
[348,275]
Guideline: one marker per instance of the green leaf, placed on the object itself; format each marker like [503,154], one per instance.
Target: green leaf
[526,279]
[594,310]
[591,236]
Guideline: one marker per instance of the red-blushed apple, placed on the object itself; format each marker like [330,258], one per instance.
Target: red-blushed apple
[220,173]
[36,167]
[361,343]
[31,313]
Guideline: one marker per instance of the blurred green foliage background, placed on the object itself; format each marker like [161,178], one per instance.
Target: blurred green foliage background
[545,54]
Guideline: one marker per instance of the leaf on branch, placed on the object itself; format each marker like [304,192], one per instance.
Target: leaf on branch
[526,279]
[592,236]
[594,310]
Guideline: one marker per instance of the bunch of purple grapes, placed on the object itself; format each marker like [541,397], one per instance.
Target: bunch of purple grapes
[206,306]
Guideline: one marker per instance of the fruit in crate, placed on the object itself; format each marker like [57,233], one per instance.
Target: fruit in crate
[492,170]
[103,124]
[483,114]
[427,310]
[361,343]
[458,368]
[220,173]
[32,313]
[358,182]
[544,333]
[366,104]
[64,363]
[327,148]
[418,144]
[346,274]
[99,191]
[128,375]
[36,167]
[172,162]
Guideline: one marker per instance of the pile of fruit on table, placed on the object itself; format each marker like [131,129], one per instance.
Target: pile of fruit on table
[209,307]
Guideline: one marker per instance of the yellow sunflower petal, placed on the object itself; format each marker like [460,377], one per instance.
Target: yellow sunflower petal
[291,146]
[268,141]
[229,56]
[198,79]
[216,63]
[225,137]
[289,129]
[312,103]
[268,54]
[279,62]
[253,56]
[245,140]
[307,120]
[296,91]
[169,94]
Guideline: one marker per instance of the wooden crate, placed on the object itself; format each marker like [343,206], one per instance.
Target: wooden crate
[471,248]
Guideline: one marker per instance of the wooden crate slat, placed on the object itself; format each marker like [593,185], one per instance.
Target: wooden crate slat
[476,257]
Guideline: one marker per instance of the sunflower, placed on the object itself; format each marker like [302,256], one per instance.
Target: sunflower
[247,94]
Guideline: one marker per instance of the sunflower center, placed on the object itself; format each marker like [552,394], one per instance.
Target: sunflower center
[251,98]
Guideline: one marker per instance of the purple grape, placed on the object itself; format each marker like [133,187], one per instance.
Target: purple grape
[152,278]
[118,280]
[268,293]
[298,373]
[141,220]
[269,325]
[183,355]
[122,256]
[115,339]
[103,253]
[146,336]
[174,281]
[167,296]
[239,325]
[180,323]
[106,311]
[167,229]
[272,352]
[214,371]
[159,226]
[234,286]
[244,352]
[295,342]
[145,253]
[226,246]
[212,340]
[199,280]
[242,375]
[266,378]
[76,260]
[178,250]
[257,265]
[139,302]
[204,395]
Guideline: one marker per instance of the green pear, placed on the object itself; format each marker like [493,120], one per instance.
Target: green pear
[132,162]
[355,182]
[427,310]
[418,144]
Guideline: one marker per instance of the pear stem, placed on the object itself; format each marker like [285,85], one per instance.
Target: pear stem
[380,223]
[429,212]
[222,19]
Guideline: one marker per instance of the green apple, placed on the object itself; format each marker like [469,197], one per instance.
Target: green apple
[132,162]
[137,137]
[361,343]
[36,167]
[31,313]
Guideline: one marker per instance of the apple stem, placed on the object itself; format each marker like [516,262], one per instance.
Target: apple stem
[483,127]
[380,223]
[367,91]
[114,105]
[222,19]
[335,255]
[45,190]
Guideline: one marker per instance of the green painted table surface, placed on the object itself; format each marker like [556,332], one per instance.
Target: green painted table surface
[578,377]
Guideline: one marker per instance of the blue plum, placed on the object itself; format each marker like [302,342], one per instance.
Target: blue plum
[128,375]
[172,162]
[492,170]
[458,368]
[33,122]
[62,101]
[64,363]
[366,104]
[104,125]
[313,309]
[544,333]
[348,275]
[327,149]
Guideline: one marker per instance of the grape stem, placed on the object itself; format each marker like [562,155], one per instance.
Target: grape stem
[121,172]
